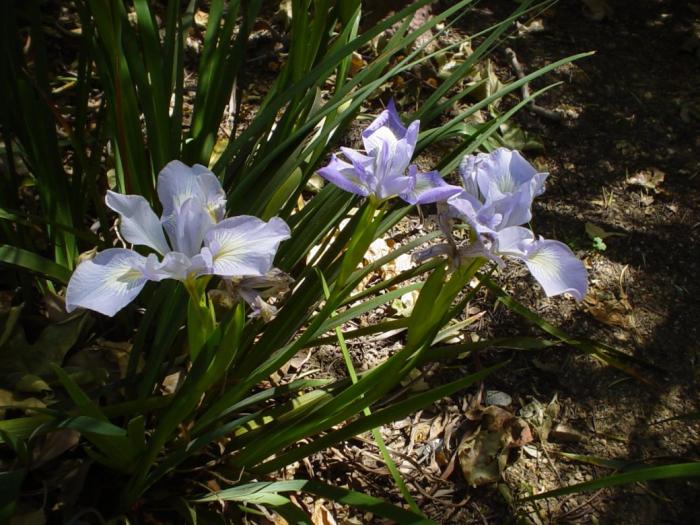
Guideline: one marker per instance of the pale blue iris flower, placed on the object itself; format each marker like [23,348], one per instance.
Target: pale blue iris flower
[201,241]
[385,169]
[497,199]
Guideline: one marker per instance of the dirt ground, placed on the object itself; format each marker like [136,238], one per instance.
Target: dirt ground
[625,160]
[633,118]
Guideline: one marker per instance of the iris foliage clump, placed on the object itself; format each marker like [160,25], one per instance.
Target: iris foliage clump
[223,265]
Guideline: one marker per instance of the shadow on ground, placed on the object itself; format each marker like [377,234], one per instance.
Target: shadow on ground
[636,113]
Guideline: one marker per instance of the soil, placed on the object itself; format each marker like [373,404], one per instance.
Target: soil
[632,98]
[625,159]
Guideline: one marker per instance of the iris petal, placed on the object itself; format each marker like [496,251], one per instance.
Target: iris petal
[467,172]
[464,206]
[139,224]
[386,128]
[177,183]
[513,241]
[428,187]
[402,153]
[556,268]
[245,245]
[175,265]
[188,227]
[106,283]
[346,176]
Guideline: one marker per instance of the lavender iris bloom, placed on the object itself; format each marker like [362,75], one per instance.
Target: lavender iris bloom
[382,171]
[202,242]
[497,200]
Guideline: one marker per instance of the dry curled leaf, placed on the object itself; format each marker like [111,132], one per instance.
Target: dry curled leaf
[563,433]
[536,26]
[483,455]
[594,231]
[404,304]
[609,310]
[541,417]
[321,515]
[53,445]
[357,63]
[650,179]
[201,19]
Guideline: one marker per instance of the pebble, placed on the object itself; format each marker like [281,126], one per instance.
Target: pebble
[497,398]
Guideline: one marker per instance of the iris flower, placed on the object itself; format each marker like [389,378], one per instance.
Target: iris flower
[199,241]
[385,169]
[497,199]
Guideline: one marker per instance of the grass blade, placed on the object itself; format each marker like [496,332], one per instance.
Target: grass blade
[34,263]
[680,470]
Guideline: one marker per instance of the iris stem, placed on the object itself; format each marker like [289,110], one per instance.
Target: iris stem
[201,319]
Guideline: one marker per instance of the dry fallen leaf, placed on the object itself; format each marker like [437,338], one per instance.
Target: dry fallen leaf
[8,398]
[416,382]
[540,416]
[536,26]
[650,179]
[171,383]
[315,183]
[53,445]
[357,63]
[378,249]
[201,19]
[609,310]
[404,304]
[609,317]
[594,231]
[321,515]
[646,200]
[563,433]
[399,265]
[484,455]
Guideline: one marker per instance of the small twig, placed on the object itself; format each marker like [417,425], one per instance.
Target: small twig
[476,402]
[551,463]
[419,468]
[556,116]
[440,501]
[573,513]
[475,506]
[295,375]
[226,480]
[309,468]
